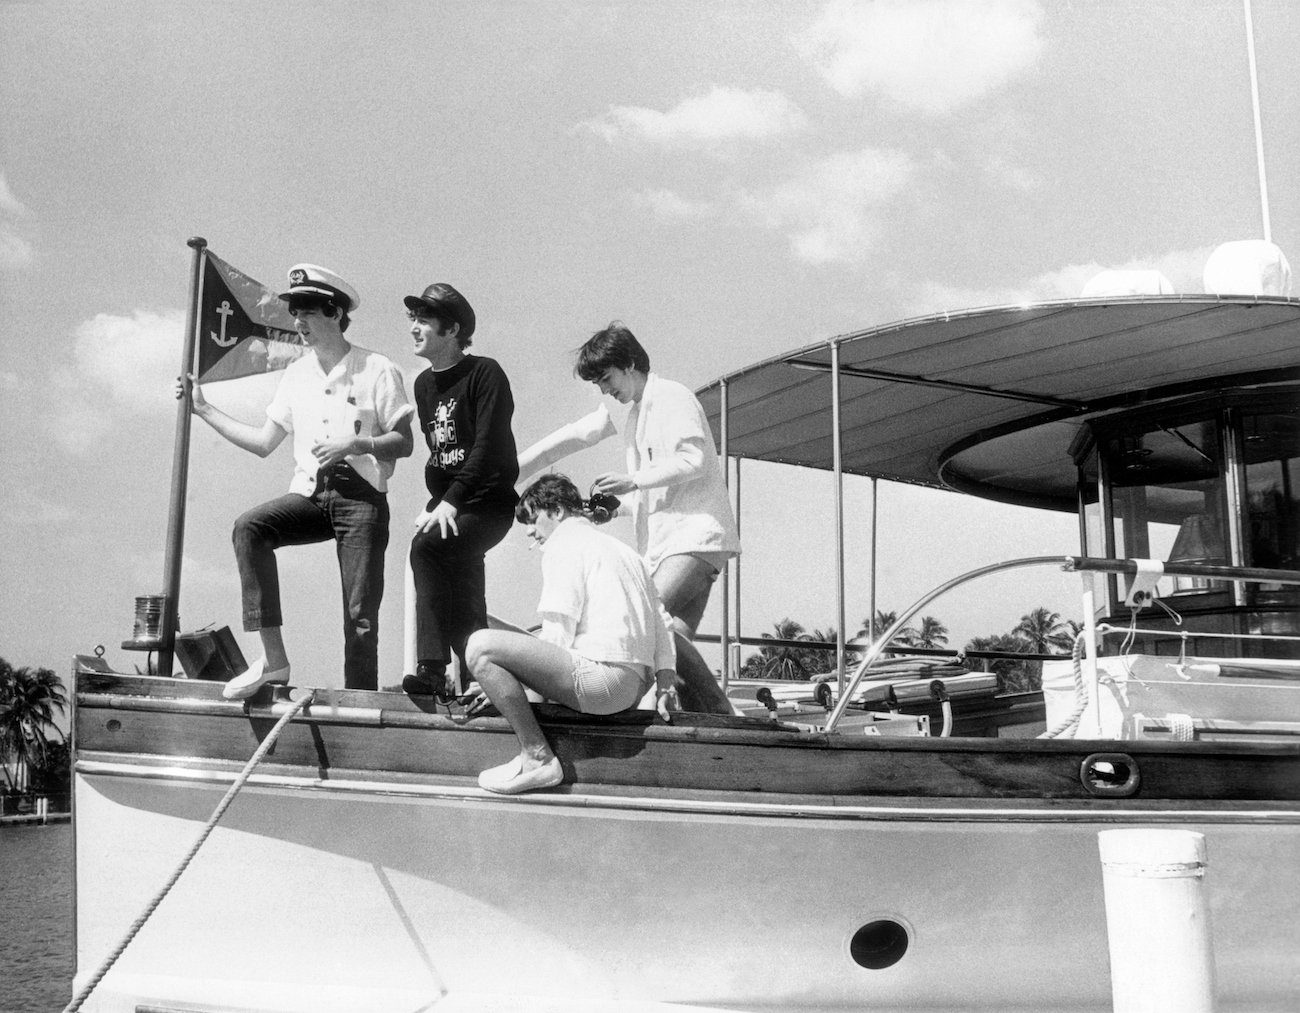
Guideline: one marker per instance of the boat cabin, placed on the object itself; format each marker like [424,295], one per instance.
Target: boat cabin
[1212,478]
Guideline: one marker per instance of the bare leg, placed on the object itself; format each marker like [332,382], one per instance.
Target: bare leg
[698,689]
[684,584]
[273,667]
[504,663]
[273,648]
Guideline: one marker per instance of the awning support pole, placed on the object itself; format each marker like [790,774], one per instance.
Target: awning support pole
[726,569]
[836,440]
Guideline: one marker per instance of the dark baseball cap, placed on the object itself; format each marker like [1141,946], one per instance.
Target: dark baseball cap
[440,295]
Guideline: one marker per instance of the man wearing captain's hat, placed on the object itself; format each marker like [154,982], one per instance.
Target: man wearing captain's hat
[347,410]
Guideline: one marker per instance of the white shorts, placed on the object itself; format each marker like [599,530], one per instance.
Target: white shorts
[607,687]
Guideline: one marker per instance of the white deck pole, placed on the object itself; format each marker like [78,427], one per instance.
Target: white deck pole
[837,467]
[408,618]
[724,452]
[1092,713]
[1157,921]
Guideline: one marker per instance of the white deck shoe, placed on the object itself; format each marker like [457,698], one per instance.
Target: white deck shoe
[507,779]
[248,682]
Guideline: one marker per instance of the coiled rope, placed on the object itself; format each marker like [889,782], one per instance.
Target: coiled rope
[1080,692]
[217,813]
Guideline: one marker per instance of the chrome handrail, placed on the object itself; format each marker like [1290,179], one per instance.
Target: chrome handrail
[1069,564]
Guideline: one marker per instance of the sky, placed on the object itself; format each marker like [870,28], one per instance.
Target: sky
[731,179]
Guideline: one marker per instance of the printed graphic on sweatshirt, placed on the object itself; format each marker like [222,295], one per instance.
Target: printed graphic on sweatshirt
[443,427]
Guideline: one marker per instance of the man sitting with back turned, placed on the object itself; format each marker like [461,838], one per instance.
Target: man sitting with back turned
[350,418]
[604,639]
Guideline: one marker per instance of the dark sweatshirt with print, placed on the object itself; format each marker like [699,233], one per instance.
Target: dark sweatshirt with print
[465,414]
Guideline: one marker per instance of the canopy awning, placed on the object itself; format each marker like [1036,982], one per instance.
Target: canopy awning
[989,401]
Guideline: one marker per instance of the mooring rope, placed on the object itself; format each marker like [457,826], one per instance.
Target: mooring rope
[217,813]
[1080,692]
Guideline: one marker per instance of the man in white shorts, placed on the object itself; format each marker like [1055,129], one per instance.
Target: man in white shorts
[604,640]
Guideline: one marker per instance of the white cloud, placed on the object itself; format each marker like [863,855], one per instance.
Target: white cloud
[830,209]
[724,114]
[137,358]
[15,251]
[9,204]
[673,206]
[1013,177]
[1182,267]
[22,508]
[929,55]
[121,369]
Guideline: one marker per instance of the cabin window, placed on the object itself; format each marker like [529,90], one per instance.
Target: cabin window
[1271,450]
[1167,497]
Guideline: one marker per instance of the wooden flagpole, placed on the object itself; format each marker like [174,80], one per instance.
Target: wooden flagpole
[180,469]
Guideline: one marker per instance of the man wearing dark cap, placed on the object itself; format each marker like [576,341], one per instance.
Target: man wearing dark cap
[465,408]
[350,418]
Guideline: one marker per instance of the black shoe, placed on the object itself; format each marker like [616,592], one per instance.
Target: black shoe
[430,679]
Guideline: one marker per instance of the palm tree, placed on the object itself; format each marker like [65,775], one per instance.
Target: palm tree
[29,701]
[1043,629]
[882,622]
[820,659]
[1013,676]
[779,661]
[931,633]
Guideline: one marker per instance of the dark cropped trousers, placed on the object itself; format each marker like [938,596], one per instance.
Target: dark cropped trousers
[344,508]
[450,581]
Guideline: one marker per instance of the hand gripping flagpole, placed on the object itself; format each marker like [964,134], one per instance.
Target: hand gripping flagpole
[180,469]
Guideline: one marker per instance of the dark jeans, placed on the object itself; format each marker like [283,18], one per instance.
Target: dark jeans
[347,509]
[450,584]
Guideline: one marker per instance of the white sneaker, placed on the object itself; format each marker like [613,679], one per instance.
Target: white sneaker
[247,683]
[509,778]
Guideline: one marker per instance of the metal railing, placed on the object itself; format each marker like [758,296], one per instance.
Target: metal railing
[1069,564]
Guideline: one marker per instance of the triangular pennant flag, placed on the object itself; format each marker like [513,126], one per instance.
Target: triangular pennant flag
[244,327]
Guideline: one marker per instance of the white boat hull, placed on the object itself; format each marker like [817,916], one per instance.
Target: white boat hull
[359,895]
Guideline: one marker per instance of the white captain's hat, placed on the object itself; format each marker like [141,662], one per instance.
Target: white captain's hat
[311,279]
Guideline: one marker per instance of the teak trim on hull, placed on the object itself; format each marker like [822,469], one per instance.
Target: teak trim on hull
[169,720]
[619,798]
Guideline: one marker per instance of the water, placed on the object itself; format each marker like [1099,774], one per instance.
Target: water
[35,918]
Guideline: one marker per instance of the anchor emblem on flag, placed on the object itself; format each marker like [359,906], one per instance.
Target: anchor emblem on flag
[225,311]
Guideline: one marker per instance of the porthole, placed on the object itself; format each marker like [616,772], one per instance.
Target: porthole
[879,944]
[1110,775]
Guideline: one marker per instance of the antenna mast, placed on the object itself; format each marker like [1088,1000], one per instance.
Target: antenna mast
[1259,130]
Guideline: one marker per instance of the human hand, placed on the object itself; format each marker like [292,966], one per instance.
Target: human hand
[333,451]
[443,516]
[197,401]
[666,700]
[613,483]
[478,705]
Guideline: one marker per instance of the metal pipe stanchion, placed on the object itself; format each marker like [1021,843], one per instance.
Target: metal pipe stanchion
[1157,921]
[408,620]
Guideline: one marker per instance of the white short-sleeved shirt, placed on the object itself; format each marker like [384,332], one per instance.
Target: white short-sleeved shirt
[364,395]
[597,581]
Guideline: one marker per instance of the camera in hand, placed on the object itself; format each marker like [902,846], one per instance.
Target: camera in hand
[602,507]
